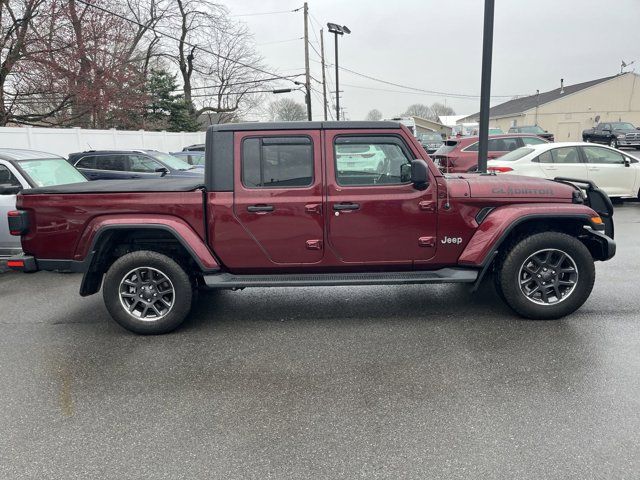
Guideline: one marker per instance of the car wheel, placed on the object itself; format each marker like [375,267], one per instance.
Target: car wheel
[613,143]
[147,292]
[546,276]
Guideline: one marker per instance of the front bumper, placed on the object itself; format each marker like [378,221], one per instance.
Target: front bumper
[601,246]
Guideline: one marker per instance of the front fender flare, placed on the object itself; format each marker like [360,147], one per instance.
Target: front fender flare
[501,221]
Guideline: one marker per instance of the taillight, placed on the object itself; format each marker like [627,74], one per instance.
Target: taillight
[500,169]
[18,222]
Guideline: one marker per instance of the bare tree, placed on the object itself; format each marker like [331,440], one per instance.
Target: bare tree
[440,109]
[286,110]
[374,115]
[419,110]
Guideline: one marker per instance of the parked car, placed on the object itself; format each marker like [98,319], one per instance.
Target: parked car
[283,210]
[535,130]
[614,134]
[127,164]
[198,147]
[460,155]
[496,131]
[20,169]
[614,172]
[430,141]
[192,157]
[364,158]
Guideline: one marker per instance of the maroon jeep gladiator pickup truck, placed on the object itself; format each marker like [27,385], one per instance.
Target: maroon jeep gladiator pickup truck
[316,204]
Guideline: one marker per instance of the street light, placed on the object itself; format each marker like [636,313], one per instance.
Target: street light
[337,30]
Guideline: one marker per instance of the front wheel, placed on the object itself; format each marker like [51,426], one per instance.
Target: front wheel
[613,143]
[147,292]
[546,276]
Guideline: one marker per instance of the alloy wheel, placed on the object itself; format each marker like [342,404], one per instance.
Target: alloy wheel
[146,294]
[548,277]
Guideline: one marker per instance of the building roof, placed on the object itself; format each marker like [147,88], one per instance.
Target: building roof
[522,104]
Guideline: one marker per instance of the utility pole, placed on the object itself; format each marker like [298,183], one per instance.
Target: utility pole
[306,60]
[324,81]
[485,85]
[337,83]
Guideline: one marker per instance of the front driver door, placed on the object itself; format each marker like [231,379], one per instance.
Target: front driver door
[375,215]
[607,169]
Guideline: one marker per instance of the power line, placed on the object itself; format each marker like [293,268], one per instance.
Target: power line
[242,83]
[279,41]
[266,13]
[195,47]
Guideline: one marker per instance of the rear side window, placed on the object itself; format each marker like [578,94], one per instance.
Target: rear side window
[532,140]
[273,162]
[86,162]
[112,162]
[7,178]
[560,155]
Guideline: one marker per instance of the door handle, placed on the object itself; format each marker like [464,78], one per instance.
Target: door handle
[260,208]
[594,169]
[346,206]
[313,208]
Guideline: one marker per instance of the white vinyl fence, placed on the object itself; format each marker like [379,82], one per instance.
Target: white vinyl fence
[64,141]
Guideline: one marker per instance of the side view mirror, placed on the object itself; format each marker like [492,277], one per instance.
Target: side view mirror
[162,170]
[606,130]
[10,189]
[627,162]
[419,174]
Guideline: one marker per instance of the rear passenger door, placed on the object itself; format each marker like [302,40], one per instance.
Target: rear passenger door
[278,184]
[9,245]
[112,167]
[562,162]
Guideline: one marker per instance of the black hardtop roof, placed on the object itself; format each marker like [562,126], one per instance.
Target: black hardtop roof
[249,126]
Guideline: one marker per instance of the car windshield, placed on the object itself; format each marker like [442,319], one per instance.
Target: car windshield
[446,147]
[623,126]
[516,154]
[531,129]
[53,171]
[171,161]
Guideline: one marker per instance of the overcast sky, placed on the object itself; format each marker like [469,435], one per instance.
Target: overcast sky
[436,45]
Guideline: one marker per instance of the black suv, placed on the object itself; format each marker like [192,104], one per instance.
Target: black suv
[127,164]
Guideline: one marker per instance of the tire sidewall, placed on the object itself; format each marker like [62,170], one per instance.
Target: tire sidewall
[509,281]
[183,292]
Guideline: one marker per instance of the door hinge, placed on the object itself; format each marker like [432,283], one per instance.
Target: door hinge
[427,206]
[314,244]
[427,241]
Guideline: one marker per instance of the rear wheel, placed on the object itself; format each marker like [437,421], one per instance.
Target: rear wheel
[546,276]
[147,292]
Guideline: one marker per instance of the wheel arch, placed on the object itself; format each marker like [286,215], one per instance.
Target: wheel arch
[111,241]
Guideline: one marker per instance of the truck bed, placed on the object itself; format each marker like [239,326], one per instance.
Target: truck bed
[122,186]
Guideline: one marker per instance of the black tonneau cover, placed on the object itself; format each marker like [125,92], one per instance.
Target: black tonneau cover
[122,186]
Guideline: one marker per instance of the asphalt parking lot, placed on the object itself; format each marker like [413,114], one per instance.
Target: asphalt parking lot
[369,382]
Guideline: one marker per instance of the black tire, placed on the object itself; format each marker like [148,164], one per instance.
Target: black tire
[126,281]
[613,143]
[512,269]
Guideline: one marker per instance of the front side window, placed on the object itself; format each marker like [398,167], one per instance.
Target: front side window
[143,164]
[45,173]
[274,162]
[362,161]
[603,155]
[7,178]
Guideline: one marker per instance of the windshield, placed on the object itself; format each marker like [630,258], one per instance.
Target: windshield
[622,126]
[171,161]
[446,147]
[515,154]
[431,137]
[54,171]
[531,129]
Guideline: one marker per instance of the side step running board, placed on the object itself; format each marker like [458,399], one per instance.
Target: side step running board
[444,275]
